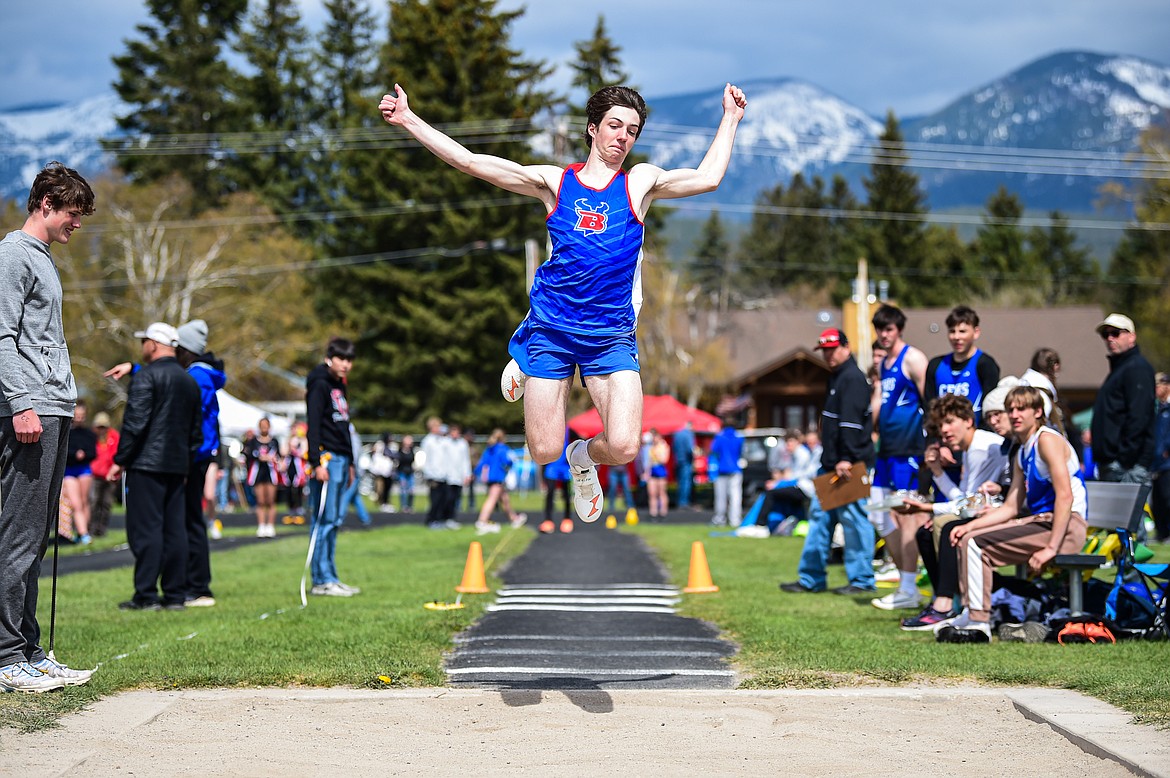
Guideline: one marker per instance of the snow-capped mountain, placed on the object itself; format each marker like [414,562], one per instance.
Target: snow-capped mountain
[791,126]
[69,133]
[1087,109]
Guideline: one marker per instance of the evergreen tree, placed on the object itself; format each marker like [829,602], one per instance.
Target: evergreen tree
[175,83]
[598,64]
[791,241]
[1073,274]
[999,245]
[895,241]
[846,237]
[432,328]
[277,107]
[1140,269]
[712,268]
[345,67]
[344,74]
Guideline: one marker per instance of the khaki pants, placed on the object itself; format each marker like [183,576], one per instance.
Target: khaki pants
[1012,543]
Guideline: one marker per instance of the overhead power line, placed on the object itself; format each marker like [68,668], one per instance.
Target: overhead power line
[911,154]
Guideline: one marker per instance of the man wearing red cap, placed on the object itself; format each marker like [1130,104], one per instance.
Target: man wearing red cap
[847,438]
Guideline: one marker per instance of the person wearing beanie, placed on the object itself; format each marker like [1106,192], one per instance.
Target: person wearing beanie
[209,375]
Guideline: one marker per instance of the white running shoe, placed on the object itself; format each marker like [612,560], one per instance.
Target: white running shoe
[588,499]
[330,590]
[898,600]
[23,677]
[962,621]
[348,588]
[54,669]
[486,528]
[520,520]
[512,382]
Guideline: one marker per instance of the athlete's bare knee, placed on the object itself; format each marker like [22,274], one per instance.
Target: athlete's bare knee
[544,452]
[624,449]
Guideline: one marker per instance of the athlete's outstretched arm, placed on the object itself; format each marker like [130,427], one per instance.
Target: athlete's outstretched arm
[537,181]
[684,182]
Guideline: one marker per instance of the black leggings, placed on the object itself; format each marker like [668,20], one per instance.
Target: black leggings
[550,496]
[942,563]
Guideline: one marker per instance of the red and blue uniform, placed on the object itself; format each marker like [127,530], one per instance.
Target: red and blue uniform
[585,299]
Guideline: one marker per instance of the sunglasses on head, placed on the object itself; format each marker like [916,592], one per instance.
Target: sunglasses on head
[1106,334]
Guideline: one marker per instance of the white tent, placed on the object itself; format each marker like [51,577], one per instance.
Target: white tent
[236,416]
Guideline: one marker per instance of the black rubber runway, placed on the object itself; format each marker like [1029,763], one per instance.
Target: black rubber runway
[589,610]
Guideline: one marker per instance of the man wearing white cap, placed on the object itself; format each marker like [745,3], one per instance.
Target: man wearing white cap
[1123,413]
[161,433]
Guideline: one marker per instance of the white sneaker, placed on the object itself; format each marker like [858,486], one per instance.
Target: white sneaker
[962,621]
[348,588]
[512,382]
[487,528]
[887,573]
[23,677]
[330,590]
[261,531]
[200,602]
[520,520]
[588,499]
[54,669]
[898,600]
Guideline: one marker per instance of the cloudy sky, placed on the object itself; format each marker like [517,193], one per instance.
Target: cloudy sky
[912,56]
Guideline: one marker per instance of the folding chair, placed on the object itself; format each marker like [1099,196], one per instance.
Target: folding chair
[1110,506]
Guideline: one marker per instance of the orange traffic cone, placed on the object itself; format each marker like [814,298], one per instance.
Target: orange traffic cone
[473,578]
[699,580]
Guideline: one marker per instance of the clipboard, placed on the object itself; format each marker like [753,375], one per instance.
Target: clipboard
[833,492]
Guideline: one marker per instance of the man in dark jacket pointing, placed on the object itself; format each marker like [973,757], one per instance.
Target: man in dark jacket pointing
[161,432]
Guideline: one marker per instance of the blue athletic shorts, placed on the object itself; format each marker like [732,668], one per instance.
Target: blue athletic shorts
[546,353]
[77,471]
[896,473]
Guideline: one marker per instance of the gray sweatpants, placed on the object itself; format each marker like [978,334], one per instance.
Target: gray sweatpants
[30,493]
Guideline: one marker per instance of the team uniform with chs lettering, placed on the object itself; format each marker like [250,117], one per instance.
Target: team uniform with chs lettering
[900,436]
[971,379]
[585,299]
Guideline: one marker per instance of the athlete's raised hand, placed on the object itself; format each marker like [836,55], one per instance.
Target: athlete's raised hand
[394,107]
[734,101]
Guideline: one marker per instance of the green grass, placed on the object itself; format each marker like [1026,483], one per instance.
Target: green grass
[825,640]
[259,636]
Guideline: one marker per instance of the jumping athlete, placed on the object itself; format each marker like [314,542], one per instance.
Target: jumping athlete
[585,299]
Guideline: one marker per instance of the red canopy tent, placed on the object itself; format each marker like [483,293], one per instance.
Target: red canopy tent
[663,413]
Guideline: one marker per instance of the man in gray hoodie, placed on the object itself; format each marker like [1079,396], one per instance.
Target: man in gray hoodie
[37,395]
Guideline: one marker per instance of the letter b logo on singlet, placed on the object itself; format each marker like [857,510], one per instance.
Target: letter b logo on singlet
[590,219]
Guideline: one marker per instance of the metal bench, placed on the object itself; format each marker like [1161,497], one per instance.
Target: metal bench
[1111,506]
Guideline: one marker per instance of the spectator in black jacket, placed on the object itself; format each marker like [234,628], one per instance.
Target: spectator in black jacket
[846,438]
[161,433]
[331,460]
[1124,411]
